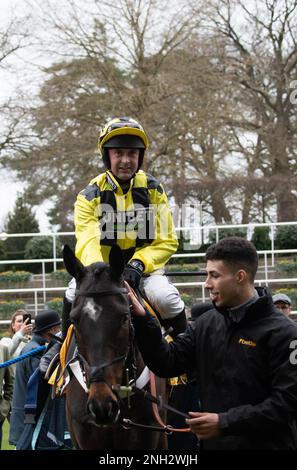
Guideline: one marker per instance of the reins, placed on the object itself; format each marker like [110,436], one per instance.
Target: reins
[167,428]
[96,374]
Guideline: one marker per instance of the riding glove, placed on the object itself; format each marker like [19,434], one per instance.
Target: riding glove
[133,272]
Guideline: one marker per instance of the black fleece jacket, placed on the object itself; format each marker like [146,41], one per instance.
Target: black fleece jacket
[246,372]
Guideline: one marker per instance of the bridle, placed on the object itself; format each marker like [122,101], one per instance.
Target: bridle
[96,373]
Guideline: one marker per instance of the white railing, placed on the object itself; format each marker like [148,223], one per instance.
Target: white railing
[203,230]
[201,295]
[35,291]
[267,258]
[265,261]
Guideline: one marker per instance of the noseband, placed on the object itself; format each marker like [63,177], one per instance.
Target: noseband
[96,373]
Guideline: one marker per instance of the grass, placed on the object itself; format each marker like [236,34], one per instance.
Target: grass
[5,444]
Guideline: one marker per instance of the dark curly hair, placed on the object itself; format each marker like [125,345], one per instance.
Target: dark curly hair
[237,252]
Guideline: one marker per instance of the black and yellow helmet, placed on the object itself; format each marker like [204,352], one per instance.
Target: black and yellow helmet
[122,132]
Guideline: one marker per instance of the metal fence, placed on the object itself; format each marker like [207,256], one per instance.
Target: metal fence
[267,262]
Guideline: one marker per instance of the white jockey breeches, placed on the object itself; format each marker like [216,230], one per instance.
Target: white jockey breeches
[159,291]
[163,295]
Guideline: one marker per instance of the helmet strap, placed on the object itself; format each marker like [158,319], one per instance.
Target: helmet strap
[105,158]
[141,156]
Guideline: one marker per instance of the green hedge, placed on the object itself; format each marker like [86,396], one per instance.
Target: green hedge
[15,276]
[287,266]
[261,238]
[61,275]
[188,299]
[185,267]
[7,308]
[55,304]
[41,247]
[286,237]
[227,232]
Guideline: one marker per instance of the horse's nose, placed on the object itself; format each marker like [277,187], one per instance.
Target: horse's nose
[104,412]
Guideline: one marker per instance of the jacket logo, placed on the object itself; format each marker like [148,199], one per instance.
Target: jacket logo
[247,342]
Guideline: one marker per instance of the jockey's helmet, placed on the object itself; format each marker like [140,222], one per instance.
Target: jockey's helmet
[122,132]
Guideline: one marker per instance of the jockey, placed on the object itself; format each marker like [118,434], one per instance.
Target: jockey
[128,207]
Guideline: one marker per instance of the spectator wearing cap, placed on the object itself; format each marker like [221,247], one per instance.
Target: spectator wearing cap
[47,323]
[283,303]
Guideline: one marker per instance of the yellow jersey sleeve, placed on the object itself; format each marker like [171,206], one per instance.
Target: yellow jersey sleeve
[155,255]
[88,249]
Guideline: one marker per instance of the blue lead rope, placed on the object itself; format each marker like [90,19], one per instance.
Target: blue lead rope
[22,356]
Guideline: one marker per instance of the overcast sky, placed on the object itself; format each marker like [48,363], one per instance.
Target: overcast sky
[9,83]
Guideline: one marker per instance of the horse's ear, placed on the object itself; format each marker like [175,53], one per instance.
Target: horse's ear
[116,261]
[72,264]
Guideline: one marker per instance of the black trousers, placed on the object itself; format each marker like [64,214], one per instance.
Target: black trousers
[184,398]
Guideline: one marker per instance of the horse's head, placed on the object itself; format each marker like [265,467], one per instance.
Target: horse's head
[101,319]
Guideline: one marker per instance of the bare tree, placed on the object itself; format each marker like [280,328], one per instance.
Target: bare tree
[215,102]
[112,65]
[13,38]
[262,55]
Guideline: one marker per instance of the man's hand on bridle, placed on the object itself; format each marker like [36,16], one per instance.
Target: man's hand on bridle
[135,306]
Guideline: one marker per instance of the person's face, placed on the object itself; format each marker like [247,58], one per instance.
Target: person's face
[283,307]
[224,285]
[18,321]
[52,331]
[123,163]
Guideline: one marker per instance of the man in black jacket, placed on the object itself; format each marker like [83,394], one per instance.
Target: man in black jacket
[243,352]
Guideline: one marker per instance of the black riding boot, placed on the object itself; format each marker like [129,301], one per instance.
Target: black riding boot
[178,324]
[66,316]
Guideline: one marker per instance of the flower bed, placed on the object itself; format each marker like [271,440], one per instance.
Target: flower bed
[8,277]
[61,275]
[55,304]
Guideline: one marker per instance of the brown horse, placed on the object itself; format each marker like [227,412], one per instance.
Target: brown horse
[109,360]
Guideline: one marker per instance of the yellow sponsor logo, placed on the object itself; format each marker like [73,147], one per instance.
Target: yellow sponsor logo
[247,342]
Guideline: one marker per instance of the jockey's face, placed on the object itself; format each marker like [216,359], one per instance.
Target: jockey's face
[123,163]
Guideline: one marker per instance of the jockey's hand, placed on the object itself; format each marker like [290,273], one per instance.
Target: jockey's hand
[133,272]
[135,306]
